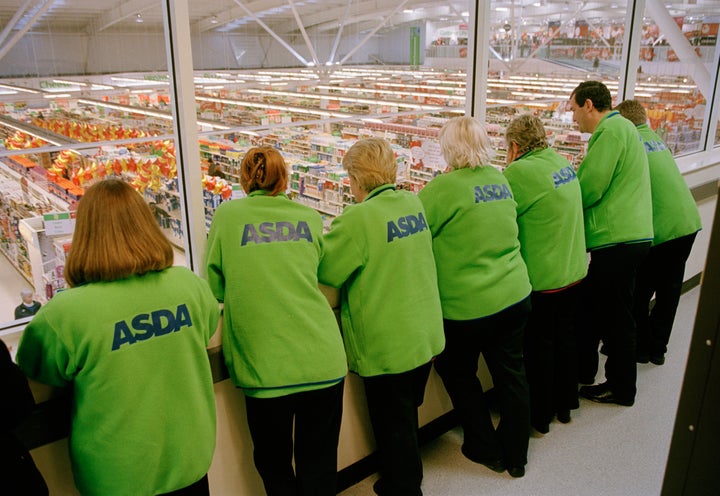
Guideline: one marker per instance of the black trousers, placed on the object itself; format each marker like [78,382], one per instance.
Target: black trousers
[606,313]
[551,355]
[393,401]
[199,488]
[499,337]
[317,415]
[661,274]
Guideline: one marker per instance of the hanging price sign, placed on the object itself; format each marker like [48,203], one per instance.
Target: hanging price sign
[59,223]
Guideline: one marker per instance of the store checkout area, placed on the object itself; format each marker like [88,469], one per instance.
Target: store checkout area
[232,470]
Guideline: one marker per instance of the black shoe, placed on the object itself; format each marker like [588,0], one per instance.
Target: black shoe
[494,465]
[601,393]
[586,380]
[541,427]
[657,359]
[379,486]
[643,358]
[516,471]
[563,416]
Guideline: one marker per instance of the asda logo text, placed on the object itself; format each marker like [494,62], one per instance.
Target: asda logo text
[147,325]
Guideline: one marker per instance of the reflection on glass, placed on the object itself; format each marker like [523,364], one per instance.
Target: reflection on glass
[674,81]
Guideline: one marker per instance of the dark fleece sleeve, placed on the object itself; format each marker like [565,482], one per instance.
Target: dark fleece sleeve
[16,396]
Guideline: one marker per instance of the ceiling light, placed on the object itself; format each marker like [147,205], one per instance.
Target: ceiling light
[18,88]
[68,82]
[139,18]
[214,19]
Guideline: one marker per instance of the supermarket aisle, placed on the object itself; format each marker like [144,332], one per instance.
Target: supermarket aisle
[606,449]
[12,284]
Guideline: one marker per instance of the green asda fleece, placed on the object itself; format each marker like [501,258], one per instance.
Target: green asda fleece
[380,253]
[550,218]
[135,353]
[280,335]
[615,184]
[675,213]
[471,213]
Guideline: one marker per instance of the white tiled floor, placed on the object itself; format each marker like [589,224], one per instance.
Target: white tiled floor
[606,450]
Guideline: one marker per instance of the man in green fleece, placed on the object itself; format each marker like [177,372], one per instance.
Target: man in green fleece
[615,184]
[379,252]
[676,222]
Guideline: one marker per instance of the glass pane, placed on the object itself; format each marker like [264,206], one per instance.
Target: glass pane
[78,103]
[674,78]
[539,52]
[311,80]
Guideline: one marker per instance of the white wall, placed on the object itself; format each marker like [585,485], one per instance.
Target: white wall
[66,54]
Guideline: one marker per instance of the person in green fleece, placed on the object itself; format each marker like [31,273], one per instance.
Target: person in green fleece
[615,184]
[552,243]
[676,222]
[281,339]
[130,339]
[485,295]
[379,252]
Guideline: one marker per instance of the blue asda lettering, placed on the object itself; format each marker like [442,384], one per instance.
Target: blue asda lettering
[563,176]
[405,226]
[270,232]
[147,325]
[492,192]
[655,146]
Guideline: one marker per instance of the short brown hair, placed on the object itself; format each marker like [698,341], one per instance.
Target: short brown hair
[596,92]
[116,236]
[633,111]
[371,162]
[263,168]
[528,132]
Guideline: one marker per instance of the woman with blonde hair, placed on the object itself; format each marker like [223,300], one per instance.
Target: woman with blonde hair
[281,340]
[552,243]
[484,290]
[130,337]
[379,252]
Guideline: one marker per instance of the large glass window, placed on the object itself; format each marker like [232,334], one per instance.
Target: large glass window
[83,96]
[675,77]
[348,71]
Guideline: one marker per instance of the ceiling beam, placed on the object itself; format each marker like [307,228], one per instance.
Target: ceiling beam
[272,33]
[371,33]
[251,10]
[14,21]
[299,22]
[13,41]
